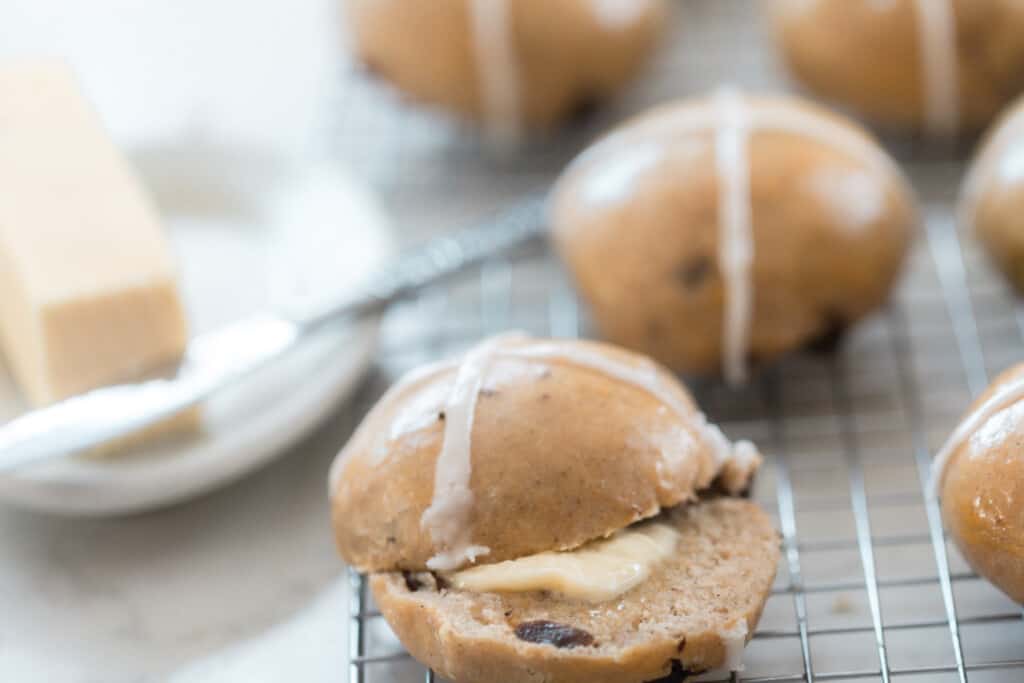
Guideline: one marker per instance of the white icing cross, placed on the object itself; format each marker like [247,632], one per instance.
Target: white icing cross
[447,520]
[937,36]
[498,74]
[736,239]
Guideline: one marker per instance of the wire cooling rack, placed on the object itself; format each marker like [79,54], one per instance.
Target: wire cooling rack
[868,587]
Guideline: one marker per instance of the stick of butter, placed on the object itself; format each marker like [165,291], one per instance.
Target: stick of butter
[87,280]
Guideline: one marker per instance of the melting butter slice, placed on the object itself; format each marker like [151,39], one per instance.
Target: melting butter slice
[596,572]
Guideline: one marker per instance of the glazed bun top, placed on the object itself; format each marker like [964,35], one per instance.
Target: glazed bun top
[937,65]
[522,446]
[513,65]
[979,474]
[794,214]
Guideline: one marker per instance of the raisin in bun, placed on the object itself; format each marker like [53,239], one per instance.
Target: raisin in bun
[510,64]
[993,197]
[935,65]
[526,452]
[979,477]
[726,230]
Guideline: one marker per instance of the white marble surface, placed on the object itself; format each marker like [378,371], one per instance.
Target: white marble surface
[184,589]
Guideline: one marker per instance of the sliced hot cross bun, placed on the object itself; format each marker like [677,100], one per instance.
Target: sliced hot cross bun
[935,65]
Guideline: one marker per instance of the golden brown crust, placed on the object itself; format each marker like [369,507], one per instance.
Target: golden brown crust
[983,495]
[566,58]
[869,59]
[830,234]
[994,195]
[683,614]
[561,454]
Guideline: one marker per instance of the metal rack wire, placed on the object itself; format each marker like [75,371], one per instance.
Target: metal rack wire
[869,587]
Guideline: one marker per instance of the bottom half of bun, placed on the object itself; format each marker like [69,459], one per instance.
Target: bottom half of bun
[694,613]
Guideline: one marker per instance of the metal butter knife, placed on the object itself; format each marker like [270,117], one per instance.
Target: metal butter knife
[218,359]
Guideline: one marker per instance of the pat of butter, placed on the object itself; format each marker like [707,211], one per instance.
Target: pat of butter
[596,572]
[87,280]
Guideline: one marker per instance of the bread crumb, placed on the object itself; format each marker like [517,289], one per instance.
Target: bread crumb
[843,605]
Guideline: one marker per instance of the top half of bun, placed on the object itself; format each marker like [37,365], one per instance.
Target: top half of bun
[569,441]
